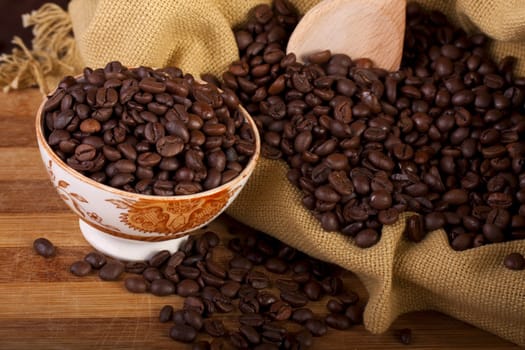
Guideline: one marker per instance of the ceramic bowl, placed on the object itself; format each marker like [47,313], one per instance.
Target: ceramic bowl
[131,226]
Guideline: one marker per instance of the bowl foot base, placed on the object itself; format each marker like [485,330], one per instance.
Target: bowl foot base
[126,249]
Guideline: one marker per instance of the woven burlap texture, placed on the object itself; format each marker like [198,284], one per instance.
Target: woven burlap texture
[400,276]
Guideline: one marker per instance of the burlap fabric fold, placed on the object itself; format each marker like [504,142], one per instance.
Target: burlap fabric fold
[400,276]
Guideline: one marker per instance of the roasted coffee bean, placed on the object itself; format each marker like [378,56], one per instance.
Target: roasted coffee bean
[332,285]
[151,274]
[380,199]
[176,259]
[366,238]
[188,272]
[215,269]
[301,277]
[193,319]
[316,327]
[334,306]
[136,284]
[194,303]
[183,333]
[238,341]
[187,287]
[257,279]
[313,290]
[223,303]
[159,258]
[111,271]
[249,305]
[178,316]
[212,238]
[514,261]
[44,247]
[251,319]
[302,315]
[493,233]
[166,314]
[434,221]
[337,321]
[230,289]
[240,262]
[462,241]
[280,311]
[95,259]
[348,298]
[414,230]
[286,285]
[80,268]
[388,216]
[162,287]
[250,334]
[276,265]
[295,299]
[214,327]
[237,274]
[355,313]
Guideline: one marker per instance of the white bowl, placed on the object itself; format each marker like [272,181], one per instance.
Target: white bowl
[131,226]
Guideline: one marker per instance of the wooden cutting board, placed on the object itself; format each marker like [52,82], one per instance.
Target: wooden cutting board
[43,306]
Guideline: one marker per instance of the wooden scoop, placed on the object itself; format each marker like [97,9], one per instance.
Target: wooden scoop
[359,28]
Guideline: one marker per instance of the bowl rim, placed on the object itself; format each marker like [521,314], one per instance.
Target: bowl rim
[248,169]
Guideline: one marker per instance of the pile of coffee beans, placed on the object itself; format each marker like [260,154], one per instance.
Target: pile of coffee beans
[150,131]
[442,137]
[267,284]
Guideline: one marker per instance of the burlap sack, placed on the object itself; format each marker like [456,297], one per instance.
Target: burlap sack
[400,276]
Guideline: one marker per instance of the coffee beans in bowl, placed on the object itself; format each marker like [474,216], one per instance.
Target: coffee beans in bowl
[144,154]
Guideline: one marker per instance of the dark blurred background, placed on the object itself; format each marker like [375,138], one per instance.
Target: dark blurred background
[11,20]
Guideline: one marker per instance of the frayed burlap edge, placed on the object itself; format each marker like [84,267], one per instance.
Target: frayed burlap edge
[53,53]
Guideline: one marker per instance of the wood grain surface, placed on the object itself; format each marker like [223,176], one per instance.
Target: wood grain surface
[43,306]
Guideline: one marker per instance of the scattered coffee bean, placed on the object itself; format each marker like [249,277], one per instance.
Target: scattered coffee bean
[80,268]
[44,247]
[95,259]
[166,314]
[183,333]
[136,284]
[162,287]
[260,308]
[514,261]
[111,271]
[337,321]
